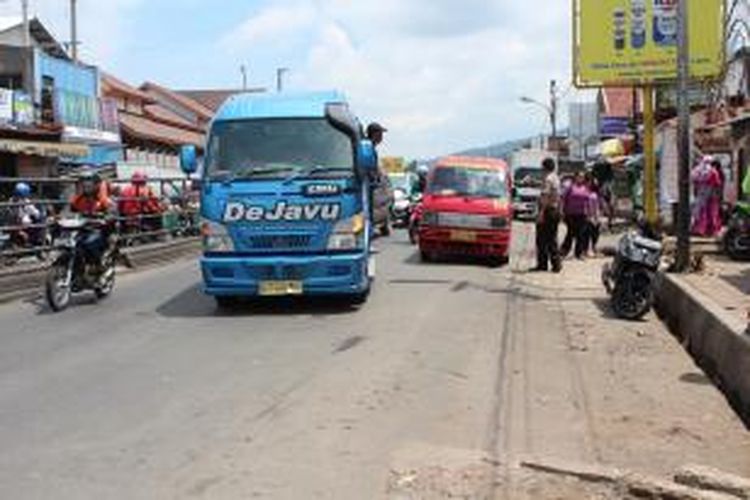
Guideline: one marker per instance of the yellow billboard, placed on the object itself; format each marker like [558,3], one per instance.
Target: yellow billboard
[634,42]
[393,164]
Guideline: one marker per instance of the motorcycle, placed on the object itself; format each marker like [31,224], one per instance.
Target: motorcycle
[401,208]
[415,218]
[737,236]
[631,279]
[73,271]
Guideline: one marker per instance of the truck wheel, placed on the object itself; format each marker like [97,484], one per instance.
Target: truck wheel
[226,303]
[426,256]
[499,261]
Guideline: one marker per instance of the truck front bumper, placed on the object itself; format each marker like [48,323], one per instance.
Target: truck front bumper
[334,274]
[480,243]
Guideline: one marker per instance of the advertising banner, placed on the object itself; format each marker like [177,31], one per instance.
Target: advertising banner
[634,42]
[6,105]
[23,108]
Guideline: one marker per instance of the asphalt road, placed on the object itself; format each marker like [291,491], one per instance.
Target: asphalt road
[155,394]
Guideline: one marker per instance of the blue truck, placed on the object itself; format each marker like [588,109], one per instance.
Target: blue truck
[285,199]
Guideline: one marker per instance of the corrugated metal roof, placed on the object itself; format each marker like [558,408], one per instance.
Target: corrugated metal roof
[214,98]
[184,101]
[284,105]
[144,128]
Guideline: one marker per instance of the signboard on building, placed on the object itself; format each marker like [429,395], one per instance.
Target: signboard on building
[23,108]
[76,110]
[634,42]
[6,105]
[393,164]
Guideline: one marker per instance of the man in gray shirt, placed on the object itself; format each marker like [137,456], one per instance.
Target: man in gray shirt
[547,250]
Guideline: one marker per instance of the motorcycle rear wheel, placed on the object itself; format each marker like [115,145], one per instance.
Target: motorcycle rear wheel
[57,291]
[734,247]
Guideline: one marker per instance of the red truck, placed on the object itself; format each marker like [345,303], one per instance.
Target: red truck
[467,210]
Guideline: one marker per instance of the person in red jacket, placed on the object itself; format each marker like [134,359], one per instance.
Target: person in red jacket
[139,205]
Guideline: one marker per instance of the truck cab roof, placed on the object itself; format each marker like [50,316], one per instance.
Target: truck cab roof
[283,105]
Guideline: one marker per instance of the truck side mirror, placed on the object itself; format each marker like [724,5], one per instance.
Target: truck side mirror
[366,158]
[188,159]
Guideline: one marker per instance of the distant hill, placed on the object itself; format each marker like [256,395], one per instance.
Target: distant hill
[500,150]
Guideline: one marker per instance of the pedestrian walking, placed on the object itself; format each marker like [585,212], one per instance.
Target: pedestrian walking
[707,207]
[576,202]
[548,220]
[596,207]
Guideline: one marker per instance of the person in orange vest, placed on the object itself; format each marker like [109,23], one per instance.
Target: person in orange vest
[92,202]
[139,205]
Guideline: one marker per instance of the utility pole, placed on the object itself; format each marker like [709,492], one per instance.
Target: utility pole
[26,31]
[243,70]
[280,78]
[28,81]
[73,31]
[553,107]
[684,143]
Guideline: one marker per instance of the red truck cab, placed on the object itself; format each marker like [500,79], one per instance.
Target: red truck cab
[467,209]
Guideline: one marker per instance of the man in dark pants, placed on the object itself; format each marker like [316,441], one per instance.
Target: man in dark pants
[547,251]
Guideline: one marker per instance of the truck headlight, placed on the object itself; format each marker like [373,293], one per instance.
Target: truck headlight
[216,238]
[499,222]
[347,234]
[430,219]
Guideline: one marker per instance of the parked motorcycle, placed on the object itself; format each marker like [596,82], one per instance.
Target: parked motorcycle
[631,279]
[73,271]
[737,236]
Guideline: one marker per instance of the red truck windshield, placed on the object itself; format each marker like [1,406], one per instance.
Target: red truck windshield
[468,181]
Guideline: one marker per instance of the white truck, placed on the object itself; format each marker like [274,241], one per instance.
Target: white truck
[526,165]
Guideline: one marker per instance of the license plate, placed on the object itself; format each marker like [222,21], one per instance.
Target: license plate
[464,236]
[279,288]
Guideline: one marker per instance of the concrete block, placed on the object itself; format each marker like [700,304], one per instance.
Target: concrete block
[715,339]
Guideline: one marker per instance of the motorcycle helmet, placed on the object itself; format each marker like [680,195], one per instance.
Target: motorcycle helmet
[89,181]
[139,179]
[22,190]
[423,170]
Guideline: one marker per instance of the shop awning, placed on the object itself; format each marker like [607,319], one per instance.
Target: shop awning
[46,149]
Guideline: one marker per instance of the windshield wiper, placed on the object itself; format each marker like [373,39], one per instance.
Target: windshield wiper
[312,170]
[231,175]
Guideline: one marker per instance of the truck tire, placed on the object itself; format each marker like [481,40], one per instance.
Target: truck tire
[225,303]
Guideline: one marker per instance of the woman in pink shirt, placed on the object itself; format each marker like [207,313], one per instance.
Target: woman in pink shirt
[576,202]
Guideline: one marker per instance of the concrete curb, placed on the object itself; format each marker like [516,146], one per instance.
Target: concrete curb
[715,339]
[21,282]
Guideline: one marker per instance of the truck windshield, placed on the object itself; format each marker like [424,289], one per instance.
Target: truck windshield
[466,181]
[278,148]
[528,177]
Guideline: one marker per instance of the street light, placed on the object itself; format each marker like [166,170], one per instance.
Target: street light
[549,109]
[280,78]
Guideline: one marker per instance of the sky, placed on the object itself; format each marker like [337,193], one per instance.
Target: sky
[441,75]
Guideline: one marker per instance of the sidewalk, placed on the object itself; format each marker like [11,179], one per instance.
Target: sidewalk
[581,386]
[708,311]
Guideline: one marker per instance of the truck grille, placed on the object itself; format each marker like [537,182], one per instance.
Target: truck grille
[279,242]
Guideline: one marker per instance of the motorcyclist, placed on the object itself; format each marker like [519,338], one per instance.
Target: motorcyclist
[26,213]
[92,202]
[138,200]
[421,182]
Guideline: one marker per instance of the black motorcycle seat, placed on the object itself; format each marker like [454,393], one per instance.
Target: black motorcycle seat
[647,244]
